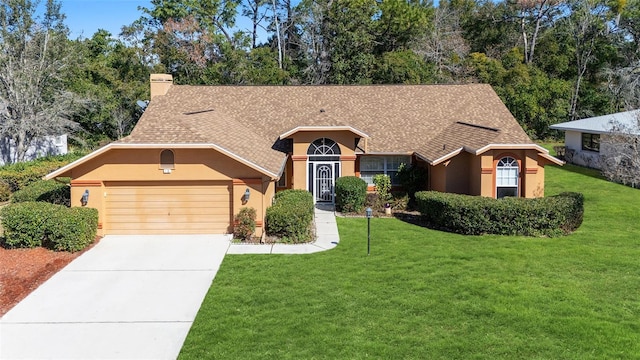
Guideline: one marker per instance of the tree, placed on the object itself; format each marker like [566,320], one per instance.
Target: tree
[534,16]
[34,58]
[444,46]
[620,150]
[585,26]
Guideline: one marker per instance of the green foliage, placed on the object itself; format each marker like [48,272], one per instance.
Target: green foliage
[33,224]
[244,224]
[412,178]
[350,194]
[403,67]
[5,191]
[291,216]
[25,224]
[19,175]
[383,186]
[44,190]
[476,215]
[72,229]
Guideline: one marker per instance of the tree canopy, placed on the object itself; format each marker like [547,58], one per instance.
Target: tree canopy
[549,60]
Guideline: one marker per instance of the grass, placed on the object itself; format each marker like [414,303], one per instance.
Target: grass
[425,294]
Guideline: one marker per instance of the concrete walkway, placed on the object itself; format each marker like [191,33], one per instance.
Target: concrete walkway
[326,238]
[129,297]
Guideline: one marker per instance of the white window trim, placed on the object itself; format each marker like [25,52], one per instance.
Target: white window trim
[385,167]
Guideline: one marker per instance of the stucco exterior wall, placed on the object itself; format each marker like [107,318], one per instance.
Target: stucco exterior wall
[476,175]
[301,142]
[190,165]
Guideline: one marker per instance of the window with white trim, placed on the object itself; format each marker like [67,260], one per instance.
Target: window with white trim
[507,177]
[282,182]
[388,165]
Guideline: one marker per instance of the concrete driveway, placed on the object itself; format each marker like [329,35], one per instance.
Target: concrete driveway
[129,297]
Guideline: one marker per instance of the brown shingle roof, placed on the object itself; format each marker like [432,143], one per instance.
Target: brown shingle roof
[247,120]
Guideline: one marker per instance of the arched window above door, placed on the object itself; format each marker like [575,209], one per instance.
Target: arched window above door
[323,146]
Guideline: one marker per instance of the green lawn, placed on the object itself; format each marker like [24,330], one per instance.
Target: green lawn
[425,294]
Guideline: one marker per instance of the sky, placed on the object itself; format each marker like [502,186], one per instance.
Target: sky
[85,17]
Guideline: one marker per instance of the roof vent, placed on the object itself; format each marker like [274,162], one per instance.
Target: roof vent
[478,126]
[198,112]
[321,110]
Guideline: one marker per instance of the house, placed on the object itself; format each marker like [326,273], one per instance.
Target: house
[40,147]
[200,153]
[583,138]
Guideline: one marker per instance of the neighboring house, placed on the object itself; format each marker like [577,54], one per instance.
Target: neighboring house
[583,138]
[200,153]
[49,145]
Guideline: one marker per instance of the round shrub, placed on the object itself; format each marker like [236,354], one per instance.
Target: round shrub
[25,223]
[245,224]
[291,216]
[351,193]
[71,229]
[476,215]
[44,190]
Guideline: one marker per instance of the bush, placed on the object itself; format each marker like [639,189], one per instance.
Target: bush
[245,224]
[19,175]
[291,216]
[351,192]
[383,186]
[32,224]
[25,223]
[412,178]
[5,191]
[44,190]
[72,229]
[475,215]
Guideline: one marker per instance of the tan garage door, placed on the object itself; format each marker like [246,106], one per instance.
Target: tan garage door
[161,207]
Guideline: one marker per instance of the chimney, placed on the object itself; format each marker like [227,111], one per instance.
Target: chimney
[160,84]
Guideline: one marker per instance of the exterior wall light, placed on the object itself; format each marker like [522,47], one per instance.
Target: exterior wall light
[246,196]
[84,200]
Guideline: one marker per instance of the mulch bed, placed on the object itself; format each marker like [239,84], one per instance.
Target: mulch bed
[23,270]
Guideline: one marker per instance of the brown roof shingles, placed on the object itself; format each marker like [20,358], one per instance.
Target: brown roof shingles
[247,120]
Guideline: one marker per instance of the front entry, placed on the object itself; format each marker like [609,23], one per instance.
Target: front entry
[323,180]
[324,169]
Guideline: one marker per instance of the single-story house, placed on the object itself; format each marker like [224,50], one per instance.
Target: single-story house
[584,138]
[201,153]
[40,147]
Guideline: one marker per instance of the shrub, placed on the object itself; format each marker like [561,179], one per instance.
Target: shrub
[5,191]
[25,223]
[475,215]
[44,190]
[412,178]
[291,216]
[71,229]
[19,175]
[351,192]
[245,224]
[383,186]
[32,224]
[399,201]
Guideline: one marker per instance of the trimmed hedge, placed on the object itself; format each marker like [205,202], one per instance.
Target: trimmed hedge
[291,216]
[57,227]
[5,191]
[476,215]
[44,190]
[351,193]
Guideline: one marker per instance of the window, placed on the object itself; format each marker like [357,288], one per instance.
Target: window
[591,142]
[507,177]
[323,146]
[167,160]
[373,165]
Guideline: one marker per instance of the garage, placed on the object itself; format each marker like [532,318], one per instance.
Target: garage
[168,207]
